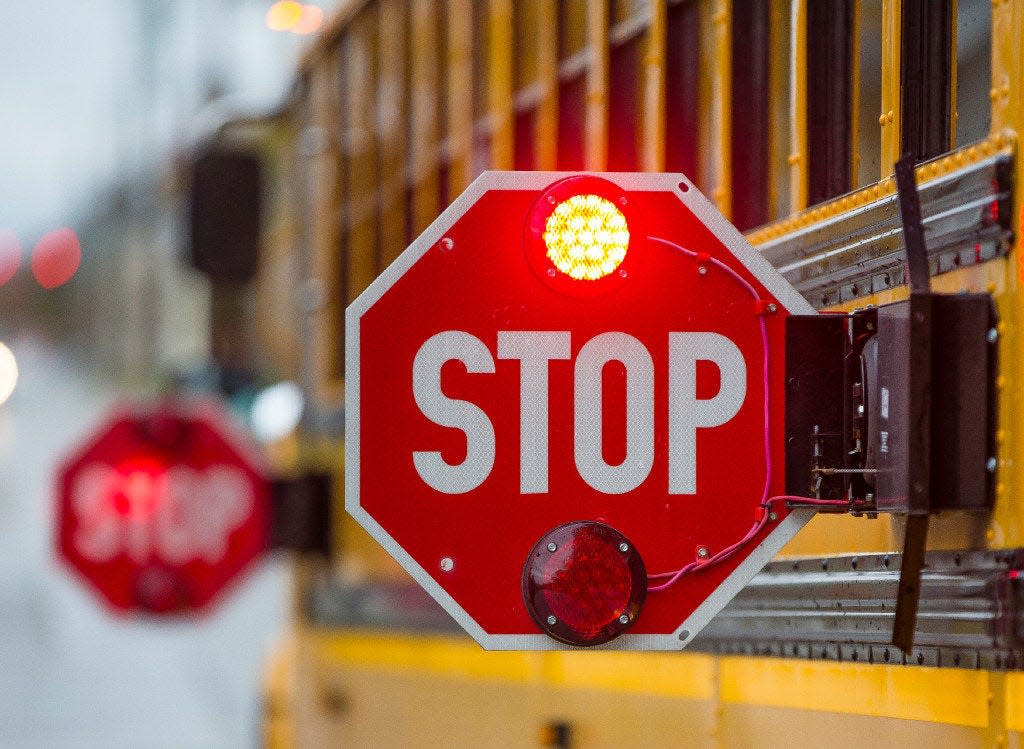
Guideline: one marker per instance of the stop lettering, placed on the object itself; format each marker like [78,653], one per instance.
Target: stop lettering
[534,350]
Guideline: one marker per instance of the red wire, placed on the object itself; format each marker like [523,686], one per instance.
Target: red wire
[765,500]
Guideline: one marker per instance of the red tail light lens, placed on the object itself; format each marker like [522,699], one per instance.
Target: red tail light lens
[584,583]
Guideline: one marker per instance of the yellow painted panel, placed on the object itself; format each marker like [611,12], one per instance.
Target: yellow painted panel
[955,696]
[688,676]
[1014,698]
[453,656]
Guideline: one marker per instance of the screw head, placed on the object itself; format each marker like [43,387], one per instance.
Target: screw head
[552,620]
[773,307]
[624,619]
[702,552]
[552,546]
[702,270]
[623,547]
[447,243]
[447,564]
[773,516]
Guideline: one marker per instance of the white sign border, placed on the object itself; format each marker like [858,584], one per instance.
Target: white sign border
[733,240]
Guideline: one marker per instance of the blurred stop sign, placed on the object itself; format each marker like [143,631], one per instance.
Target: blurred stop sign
[161,508]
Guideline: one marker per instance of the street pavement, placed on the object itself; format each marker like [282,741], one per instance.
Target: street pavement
[73,675]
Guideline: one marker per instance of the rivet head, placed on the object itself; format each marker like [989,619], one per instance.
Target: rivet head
[702,552]
[447,564]
[552,620]
[552,546]
[447,243]
[773,307]
[623,547]
[624,619]
[773,516]
[702,270]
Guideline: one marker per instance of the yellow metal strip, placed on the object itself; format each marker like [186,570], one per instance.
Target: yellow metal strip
[889,117]
[596,136]
[684,676]
[424,117]
[722,106]
[458,102]
[953,696]
[798,121]
[545,144]
[652,152]
[501,85]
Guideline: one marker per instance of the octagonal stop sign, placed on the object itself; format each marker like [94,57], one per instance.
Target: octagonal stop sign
[564,410]
[161,508]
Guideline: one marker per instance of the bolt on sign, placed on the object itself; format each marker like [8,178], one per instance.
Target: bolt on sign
[564,410]
[162,508]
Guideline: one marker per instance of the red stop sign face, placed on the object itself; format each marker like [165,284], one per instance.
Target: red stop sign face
[160,509]
[504,377]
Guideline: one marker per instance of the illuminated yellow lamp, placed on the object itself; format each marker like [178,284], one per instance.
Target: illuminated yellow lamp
[310,20]
[586,237]
[284,14]
[8,373]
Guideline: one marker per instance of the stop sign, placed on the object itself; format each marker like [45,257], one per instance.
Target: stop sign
[161,508]
[565,410]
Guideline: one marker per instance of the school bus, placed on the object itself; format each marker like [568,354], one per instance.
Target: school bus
[790,115]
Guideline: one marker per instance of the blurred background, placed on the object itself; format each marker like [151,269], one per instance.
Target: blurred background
[103,101]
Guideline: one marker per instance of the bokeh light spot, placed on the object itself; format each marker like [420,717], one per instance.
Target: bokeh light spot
[283,15]
[10,255]
[8,373]
[56,258]
[310,20]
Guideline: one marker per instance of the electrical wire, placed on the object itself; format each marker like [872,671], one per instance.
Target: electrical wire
[761,308]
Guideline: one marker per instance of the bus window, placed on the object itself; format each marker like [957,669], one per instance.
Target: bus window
[868,143]
[625,44]
[829,78]
[682,87]
[572,83]
[973,70]
[481,159]
[926,31]
[526,77]
[750,121]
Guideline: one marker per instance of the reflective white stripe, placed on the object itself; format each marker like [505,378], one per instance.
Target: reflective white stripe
[589,430]
[453,345]
[687,413]
[533,349]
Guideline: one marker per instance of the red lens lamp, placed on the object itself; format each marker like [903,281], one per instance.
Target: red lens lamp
[584,583]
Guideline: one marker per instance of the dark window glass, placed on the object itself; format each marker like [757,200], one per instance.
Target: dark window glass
[750,85]
[571,113]
[682,87]
[829,86]
[924,77]
[623,94]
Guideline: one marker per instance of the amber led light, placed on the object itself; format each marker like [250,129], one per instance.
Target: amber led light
[586,237]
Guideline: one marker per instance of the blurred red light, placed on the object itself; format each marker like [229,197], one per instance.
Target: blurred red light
[138,488]
[56,258]
[10,255]
[584,583]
